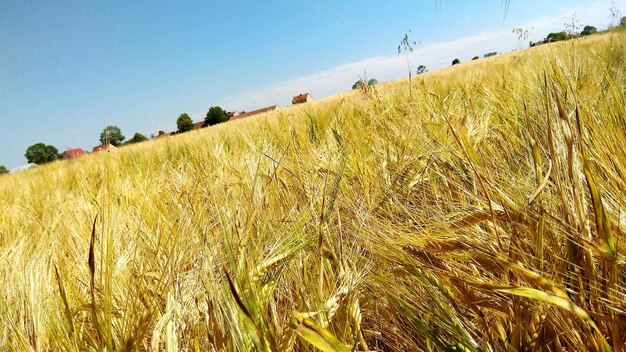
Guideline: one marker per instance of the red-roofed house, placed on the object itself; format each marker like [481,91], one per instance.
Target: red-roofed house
[101,147]
[301,98]
[73,153]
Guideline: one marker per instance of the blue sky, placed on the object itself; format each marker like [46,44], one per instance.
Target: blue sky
[67,68]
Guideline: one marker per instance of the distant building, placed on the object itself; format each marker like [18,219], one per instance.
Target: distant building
[99,148]
[236,116]
[163,135]
[232,114]
[73,153]
[102,147]
[198,125]
[301,98]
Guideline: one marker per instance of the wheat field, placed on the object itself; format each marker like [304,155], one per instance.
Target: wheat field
[486,212]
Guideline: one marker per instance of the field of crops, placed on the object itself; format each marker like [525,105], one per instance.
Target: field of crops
[483,212]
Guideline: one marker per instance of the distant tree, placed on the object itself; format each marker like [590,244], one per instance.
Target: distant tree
[556,37]
[421,69]
[40,154]
[3,170]
[358,84]
[588,30]
[475,58]
[111,135]
[456,62]
[137,138]
[622,22]
[184,123]
[215,115]
[161,133]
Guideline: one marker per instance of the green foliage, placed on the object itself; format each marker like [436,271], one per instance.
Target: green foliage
[588,30]
[215,115]
[40,154]
[3,170]
[137,138]
[360,84]
[456,62]
[421,69]
[161,133]
[112,135]
[622,22]
[557,36]
[475,58]
[184,123]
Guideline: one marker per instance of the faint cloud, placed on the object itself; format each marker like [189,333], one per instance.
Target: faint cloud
[392,67]
[466,18]
[384,68]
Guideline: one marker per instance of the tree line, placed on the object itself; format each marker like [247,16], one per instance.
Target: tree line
[572,32]
[214,116]
[41,153]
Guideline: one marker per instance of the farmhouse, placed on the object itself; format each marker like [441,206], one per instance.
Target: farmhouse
[102,147]
[73,153]
[301,98]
